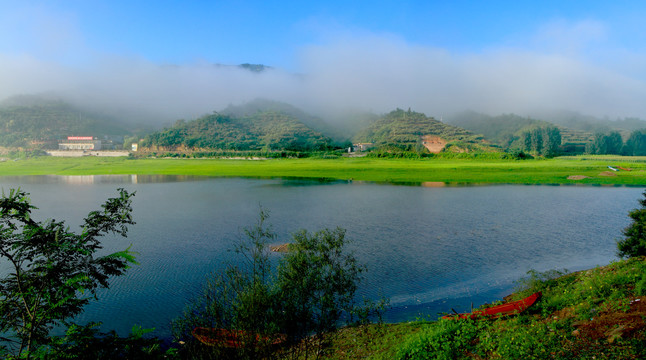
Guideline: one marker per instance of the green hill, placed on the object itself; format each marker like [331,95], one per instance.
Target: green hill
[240,131]
[505,130]
[257,106]
[412,131]
[28,120]
[500,129]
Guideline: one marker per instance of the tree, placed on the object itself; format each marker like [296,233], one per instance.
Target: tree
[310,293]
[634,243]
[636,143]
[551,140]
[605,143]
[53,272]
[239,298]
[543,140]
[317,281]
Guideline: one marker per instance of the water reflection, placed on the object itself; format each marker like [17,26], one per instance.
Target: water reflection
[99,179]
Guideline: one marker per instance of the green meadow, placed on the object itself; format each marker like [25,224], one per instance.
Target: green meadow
[591,170]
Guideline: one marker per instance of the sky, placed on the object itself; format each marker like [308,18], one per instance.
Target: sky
[329,57]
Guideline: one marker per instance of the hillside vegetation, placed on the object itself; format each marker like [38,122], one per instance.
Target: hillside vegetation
[269,128]
[266,130]
[26,120]
[404,130]
[507,130]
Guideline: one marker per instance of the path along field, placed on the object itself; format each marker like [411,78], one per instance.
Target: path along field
[431,172]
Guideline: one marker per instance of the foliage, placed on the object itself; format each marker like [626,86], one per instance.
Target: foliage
[509,131]
[312,292]
[403,130]
[26,120]
[636,144]
[445,340]
[502,129]
[54,272]
[605,143]
[267,131]
[238,298]
[583,315]
[317,282]
[544,140]
[87,342]
[634,243]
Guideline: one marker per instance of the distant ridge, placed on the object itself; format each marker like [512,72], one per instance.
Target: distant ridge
[28,119]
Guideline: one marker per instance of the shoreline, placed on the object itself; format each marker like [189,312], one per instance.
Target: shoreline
[432,172]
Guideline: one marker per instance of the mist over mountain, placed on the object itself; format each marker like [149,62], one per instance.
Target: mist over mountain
[25,120]
[353,74]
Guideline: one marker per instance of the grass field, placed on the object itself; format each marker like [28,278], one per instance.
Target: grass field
[432,172]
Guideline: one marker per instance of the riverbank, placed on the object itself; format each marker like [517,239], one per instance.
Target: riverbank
[594,314]
[430,172]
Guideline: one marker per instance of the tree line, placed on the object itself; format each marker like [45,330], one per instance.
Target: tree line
[543,140]
[612,143]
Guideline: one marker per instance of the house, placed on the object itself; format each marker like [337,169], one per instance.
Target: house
[80,143]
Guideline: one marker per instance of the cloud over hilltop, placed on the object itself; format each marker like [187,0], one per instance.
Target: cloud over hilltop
[560,67]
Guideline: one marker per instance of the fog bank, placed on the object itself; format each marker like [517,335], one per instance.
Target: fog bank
[365,73]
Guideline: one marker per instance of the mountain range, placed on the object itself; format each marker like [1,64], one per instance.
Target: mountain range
[274,126]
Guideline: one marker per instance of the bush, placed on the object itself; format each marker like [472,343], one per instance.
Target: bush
[635,242]
[312,292]
[445,340]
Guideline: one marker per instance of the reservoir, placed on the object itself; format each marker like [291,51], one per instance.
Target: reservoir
[427,247]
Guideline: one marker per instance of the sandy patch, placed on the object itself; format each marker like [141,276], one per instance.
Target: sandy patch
[607,173]
[433,143]
[577,177]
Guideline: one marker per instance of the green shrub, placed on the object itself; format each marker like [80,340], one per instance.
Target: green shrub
[634,243]
[444,340]
[311,293]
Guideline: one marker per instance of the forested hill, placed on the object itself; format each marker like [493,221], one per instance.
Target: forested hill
[27,119]
[263,105]
[577,121]
[502,129]
[266,130]
[406,129]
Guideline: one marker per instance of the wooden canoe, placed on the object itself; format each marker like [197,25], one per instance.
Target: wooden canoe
[510,308]
[232,338]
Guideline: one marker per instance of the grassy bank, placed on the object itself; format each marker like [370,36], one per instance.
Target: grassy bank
[594,314]
[590,170]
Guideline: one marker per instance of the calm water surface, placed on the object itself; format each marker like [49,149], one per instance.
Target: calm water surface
[428,249]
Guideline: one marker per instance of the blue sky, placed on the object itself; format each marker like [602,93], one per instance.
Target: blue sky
[434,56]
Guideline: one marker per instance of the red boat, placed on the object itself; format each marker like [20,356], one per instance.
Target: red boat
[494,312]
[232,338]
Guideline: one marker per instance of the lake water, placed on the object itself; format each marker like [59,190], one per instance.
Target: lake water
[427,248]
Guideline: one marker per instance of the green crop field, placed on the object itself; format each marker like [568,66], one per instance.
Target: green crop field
[435,171]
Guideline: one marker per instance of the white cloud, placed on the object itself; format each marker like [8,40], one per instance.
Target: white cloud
[376,72]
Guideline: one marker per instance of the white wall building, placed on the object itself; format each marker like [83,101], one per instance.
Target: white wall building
[80,143]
